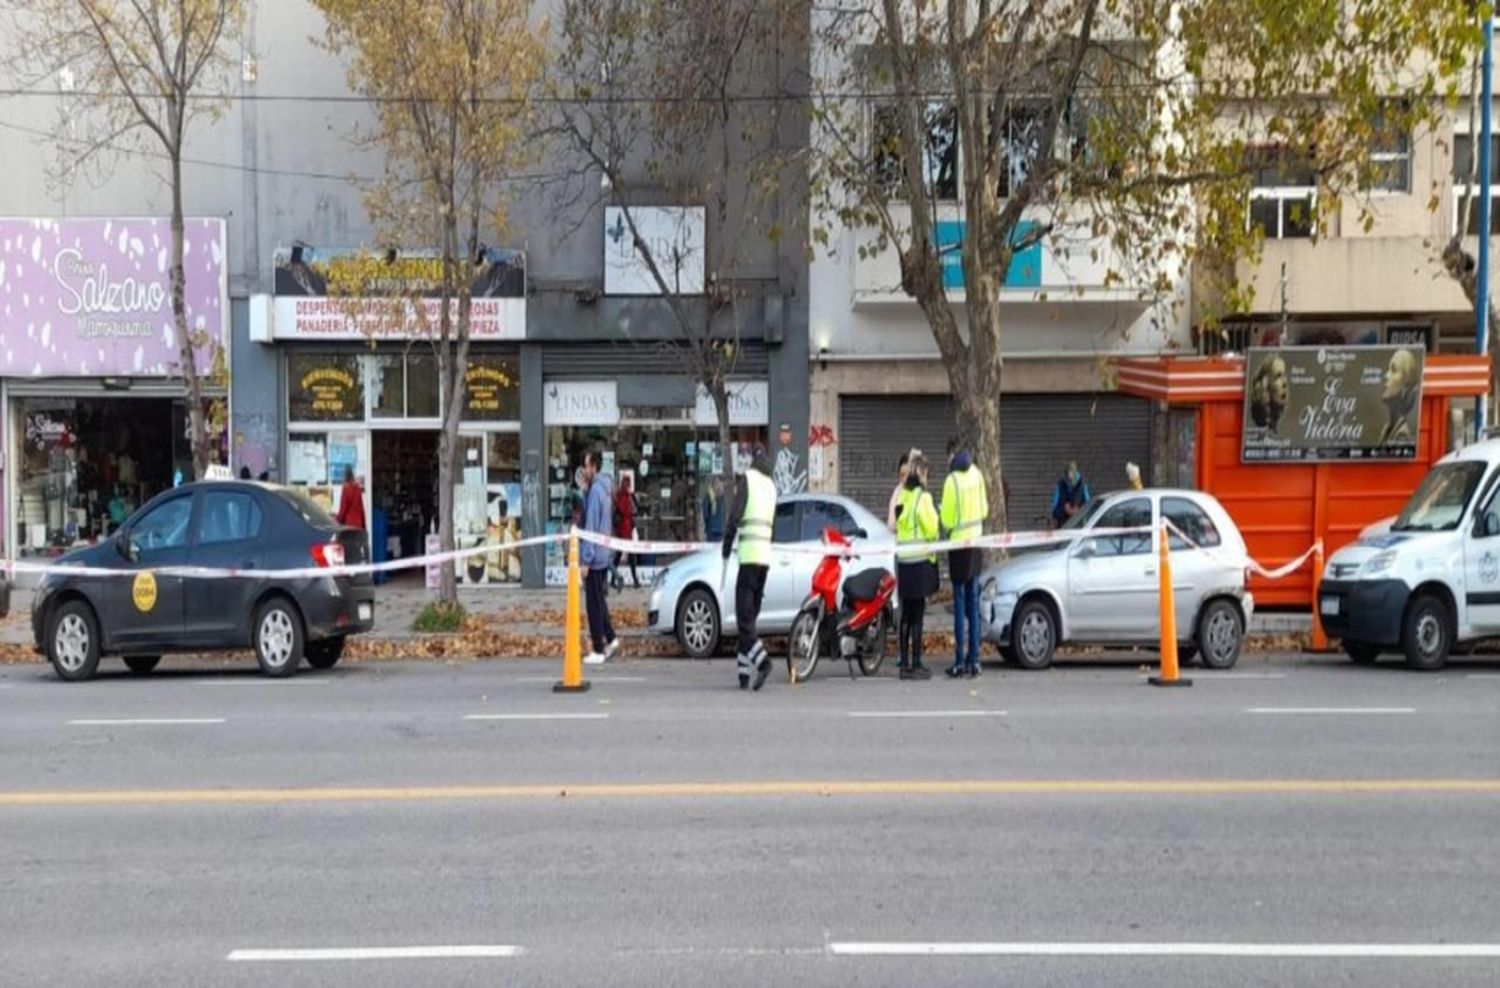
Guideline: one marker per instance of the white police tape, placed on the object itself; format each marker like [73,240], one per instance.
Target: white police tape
[1004,540]
[1278,573]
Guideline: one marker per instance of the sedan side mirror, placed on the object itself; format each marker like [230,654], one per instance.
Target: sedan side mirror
[860,533]
[126,547]
[1490,524]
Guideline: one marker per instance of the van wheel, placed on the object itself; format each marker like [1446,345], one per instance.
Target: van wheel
[1221,635]
[1034,635]
[1361,652]
[1427,634]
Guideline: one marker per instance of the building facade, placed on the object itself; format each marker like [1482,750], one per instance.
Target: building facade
[571,351]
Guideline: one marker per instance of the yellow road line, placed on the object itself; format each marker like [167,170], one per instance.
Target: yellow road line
[669,790]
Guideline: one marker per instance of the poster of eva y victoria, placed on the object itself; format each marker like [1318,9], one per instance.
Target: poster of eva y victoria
[1309,404]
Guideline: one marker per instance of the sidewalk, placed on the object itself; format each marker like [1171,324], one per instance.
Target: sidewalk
[527,612]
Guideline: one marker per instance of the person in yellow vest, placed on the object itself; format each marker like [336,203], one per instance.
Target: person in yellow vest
[750,520]
[916,570]
[965,507]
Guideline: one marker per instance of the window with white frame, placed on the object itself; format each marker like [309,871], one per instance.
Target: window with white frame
[1466,182]
[1021,128]
[939,149]
[1390,160]
[1283,194]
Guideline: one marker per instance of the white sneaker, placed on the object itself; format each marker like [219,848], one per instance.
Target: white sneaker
[612,649]
[593,659]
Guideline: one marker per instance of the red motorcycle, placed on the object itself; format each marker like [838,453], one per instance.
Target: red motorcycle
[853,629]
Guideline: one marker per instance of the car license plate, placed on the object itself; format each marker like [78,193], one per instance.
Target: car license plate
[1329,606]
[366,611]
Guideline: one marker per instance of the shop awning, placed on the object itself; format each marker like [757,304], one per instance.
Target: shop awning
[1186,380]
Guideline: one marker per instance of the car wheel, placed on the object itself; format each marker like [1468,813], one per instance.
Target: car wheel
[141,664]
[803,645]
[1427,635]
[872,649]
[326,653]
[1361,652]
[278,637]
[1187,653]
[1221,635]
[1008,654]
[73,642]
[698,623]
[1034,635]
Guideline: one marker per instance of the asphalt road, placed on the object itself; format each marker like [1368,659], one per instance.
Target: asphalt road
[1299,821]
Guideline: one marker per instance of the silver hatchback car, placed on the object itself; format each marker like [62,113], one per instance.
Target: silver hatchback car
[693,598]
[1104,589]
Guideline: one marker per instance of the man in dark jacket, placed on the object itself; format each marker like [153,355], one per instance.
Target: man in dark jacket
[751,520]
[598,517]
[1069,496]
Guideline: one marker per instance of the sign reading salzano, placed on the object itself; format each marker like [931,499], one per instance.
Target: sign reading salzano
[1332,403]
[348,294]
[93,297]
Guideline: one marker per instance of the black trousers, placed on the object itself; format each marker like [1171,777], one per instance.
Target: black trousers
[601,631]
[909,633]
[749,591]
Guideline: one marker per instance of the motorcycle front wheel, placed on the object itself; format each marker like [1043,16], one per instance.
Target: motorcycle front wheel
[872,646]
[802,646]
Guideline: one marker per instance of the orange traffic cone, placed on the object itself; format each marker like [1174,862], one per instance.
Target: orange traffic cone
[1168,676]
[572,675]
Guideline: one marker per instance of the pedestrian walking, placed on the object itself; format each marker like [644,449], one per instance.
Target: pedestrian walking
[351,502]
[1069,496]
[965,507]
[597,511]
[624,519]
[916,570]
[750,521]
[902,470]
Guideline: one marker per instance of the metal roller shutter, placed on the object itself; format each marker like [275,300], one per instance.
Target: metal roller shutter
[1039,434]
[588,361]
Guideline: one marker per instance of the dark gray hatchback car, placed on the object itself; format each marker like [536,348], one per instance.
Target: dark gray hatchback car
[140,613]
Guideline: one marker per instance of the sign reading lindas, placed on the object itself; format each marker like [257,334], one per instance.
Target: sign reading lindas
[1332,403]
[674,238]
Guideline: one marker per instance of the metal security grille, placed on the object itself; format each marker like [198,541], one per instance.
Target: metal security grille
[1039,435]
[589,361]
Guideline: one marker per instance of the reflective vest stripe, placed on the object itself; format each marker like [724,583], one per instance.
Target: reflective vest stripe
[756,524]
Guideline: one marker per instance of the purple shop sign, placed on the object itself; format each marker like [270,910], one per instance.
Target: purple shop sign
[93,297]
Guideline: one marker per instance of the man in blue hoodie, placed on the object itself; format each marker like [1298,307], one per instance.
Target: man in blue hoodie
[598,507]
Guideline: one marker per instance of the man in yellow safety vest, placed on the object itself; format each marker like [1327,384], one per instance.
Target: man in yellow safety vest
[966,505]
[750,519]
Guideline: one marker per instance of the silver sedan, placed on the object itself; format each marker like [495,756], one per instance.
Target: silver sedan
[693,598]
[1104,589]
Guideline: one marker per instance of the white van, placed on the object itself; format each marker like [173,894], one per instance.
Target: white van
[1431,584]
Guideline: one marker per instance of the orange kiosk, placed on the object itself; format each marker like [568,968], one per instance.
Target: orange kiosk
[1283,508]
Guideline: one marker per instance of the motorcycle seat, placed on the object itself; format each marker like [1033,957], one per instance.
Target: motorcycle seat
[864,585]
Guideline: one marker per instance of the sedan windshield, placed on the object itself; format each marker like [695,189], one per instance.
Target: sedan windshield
[1439,503]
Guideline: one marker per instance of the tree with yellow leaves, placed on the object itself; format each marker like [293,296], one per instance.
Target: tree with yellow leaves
[450,82]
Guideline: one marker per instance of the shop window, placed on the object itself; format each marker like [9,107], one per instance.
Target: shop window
[503,460]
[163,527]
[227,516]
[388,386]
[1390,159]
[492,389]
[1466,181]
[423,395]
[325,388]
[1192,521]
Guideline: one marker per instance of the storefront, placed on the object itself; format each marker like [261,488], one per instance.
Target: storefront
[1316,449]
[92,408]
[668,451]
[363,395]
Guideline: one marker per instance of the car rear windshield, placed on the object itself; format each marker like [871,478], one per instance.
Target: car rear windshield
[311,511]
[1438,504]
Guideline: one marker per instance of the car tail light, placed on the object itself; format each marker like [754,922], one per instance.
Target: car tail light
[328,554]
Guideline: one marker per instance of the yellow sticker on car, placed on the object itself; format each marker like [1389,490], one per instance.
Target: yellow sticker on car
[143,591]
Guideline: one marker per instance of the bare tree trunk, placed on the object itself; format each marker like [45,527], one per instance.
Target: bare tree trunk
[720,391]
[197,426]
[979,403]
